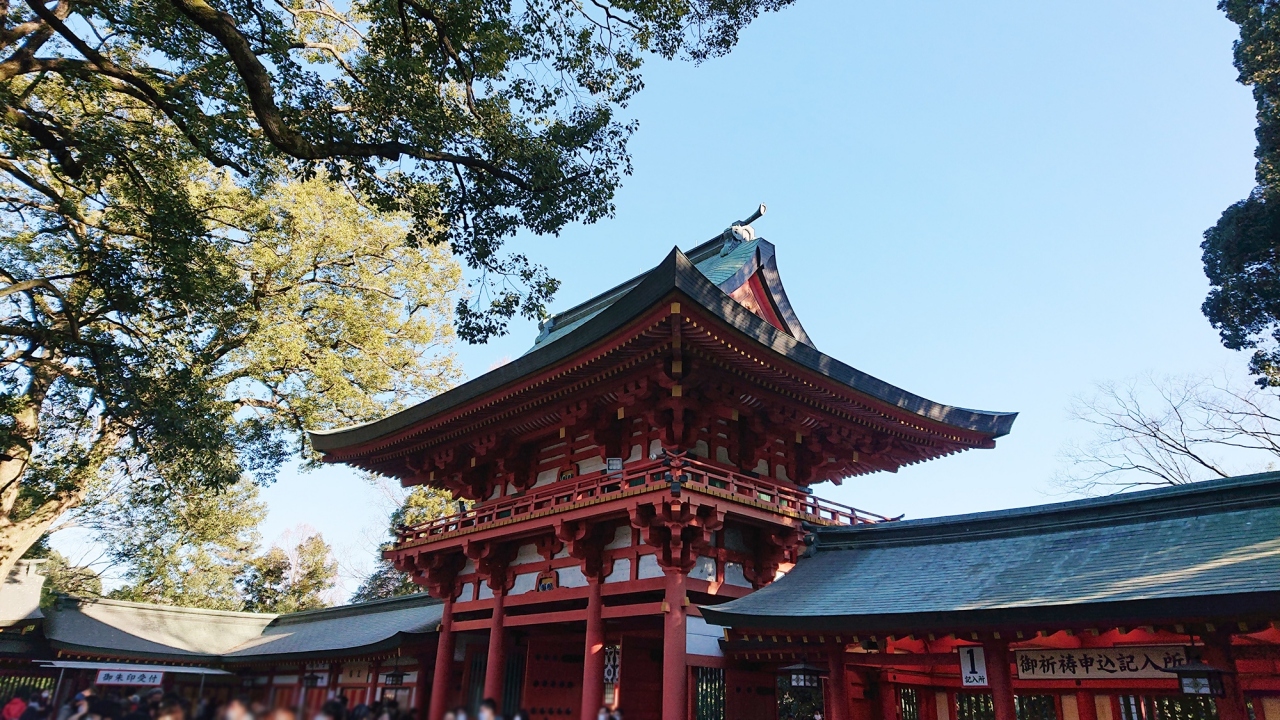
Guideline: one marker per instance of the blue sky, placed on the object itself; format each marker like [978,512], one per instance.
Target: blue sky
[991,204]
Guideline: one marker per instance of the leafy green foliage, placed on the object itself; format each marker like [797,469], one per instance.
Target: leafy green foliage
[479,118]
[61,576]
[163,320]
[187,549]
[281,582]
[1242,251]
[150,369]
[422,504]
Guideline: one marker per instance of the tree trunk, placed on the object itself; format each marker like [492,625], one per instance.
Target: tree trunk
[17,535]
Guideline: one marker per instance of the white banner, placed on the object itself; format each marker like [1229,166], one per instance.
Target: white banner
[1114,662]
[129,677]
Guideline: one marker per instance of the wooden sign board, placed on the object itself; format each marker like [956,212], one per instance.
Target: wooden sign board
[1135,663]
[129,677]
[354,674]
[973,666]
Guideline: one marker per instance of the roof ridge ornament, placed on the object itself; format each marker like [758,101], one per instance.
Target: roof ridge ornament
[740,232]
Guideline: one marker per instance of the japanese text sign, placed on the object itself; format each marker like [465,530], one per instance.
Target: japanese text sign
[1080,663]
[129,677]
[973,666]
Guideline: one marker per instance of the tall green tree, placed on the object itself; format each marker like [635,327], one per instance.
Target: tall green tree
[142,145]
[131,360]
[1242,251]
[281,581]
[479,117]
[188,549]
[421,504]
[61,575]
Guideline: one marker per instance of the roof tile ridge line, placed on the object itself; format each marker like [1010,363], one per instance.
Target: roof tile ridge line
[550,349]
[921,535]
[429,427]
[412,600]
[615,292]
[80,602]
[875,419]
[751,318]
[913,421]
[387,453]
[920,434]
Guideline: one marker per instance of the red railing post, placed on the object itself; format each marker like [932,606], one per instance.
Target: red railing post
[700,473]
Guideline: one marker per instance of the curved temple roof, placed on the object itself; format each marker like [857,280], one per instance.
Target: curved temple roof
[706,275]
[114,627]
[1174,554]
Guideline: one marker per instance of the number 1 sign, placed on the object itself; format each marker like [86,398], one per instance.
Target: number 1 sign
[973,667]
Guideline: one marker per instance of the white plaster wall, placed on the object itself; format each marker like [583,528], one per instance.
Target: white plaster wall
[468,567]
[526,582]
[637,453]
[702,638]
[648,567]
[703,569]
[546,477]
[571,577]
[468,592]
[621,571]
[621,538]
[734,575]
[590,465]
[527,554]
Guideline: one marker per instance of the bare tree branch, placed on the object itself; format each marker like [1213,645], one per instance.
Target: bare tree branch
[1153,431]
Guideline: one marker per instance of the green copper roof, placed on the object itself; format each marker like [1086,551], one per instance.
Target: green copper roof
[726,270]
[594,320]
[116,628]
[1177,555]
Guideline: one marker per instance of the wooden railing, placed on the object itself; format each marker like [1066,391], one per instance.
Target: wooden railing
[639,477]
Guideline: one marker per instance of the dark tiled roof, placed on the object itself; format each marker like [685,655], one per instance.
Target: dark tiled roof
[367,626]
[676,273]
[1180,554]
[728,267]
[116,628]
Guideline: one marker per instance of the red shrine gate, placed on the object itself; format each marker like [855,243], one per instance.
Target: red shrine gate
[650,454]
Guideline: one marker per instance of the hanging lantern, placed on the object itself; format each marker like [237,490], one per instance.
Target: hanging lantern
[310,680]
[1197,678]
[394,678]
[804,675]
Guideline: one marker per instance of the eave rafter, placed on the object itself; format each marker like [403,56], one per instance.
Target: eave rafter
[844,433]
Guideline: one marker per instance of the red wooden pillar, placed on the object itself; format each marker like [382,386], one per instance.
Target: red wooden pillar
[1000,680]
[838,682]
[421,688]
[593,667]
[1217,652]
[928,700]
[674,688]
[495,669]
[888,698]
[1086,706]
[444,663]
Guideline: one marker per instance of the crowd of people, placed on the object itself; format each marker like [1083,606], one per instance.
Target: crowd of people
[489,711]
[156,704]
[27,704]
